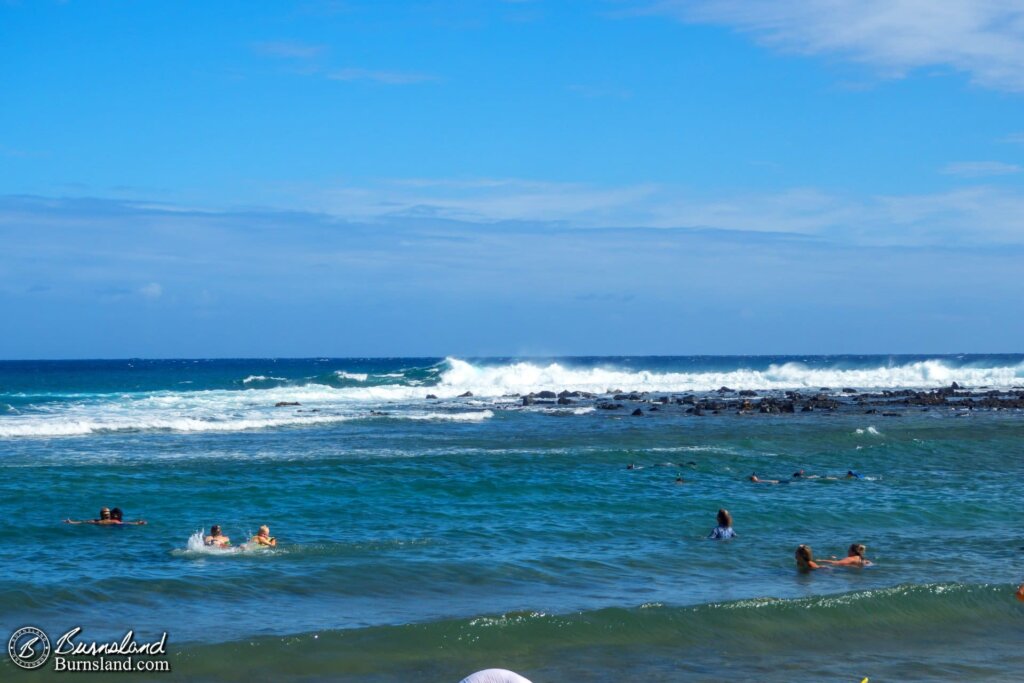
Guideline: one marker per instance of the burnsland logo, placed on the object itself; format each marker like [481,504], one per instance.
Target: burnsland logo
[29,648]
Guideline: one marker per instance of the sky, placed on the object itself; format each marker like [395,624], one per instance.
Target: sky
[510,177]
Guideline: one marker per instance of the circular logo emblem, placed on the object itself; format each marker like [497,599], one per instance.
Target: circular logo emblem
[29,647]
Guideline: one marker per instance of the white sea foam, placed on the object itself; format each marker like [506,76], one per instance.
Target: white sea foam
[869,430]
[261,378]
[525,377]
[475,416]
[254,408]
[355,376]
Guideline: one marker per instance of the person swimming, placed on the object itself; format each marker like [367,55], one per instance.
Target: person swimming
[118,518]
[216,538]
[805,558]
[1020,592]
[724,530]
[104,519]
[756,480]
[854,558]
[850,474]
[263,538]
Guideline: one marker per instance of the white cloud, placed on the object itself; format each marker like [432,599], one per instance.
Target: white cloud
[386,77]
[152,291]
[979,169]
[982,38]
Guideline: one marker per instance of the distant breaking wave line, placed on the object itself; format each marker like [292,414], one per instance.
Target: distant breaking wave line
[524,377]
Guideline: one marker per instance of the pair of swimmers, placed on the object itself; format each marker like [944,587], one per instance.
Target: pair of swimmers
[218,540]
[107,517]
[856,557]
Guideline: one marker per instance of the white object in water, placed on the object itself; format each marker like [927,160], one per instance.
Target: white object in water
[494,676]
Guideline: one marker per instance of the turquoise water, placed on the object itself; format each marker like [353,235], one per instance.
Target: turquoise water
[423,539]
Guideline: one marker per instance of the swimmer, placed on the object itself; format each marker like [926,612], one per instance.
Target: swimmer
[805,558]
[754,478]
[680,480]
[264,538]
[724,529]
[855,557]
[850,474]
[216,538]
[1020,592]
[118,518]
[104,519]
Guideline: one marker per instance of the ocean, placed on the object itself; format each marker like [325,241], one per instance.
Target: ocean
[493,525]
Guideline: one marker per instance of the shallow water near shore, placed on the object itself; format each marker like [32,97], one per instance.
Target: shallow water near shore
[422,539]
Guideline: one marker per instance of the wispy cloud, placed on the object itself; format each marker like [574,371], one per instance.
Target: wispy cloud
[152,291]
[981,38]
[970,215]
[980,169]
[379,76]
[214,270]
[289,49]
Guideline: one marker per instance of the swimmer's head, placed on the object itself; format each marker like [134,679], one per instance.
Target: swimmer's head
[116,514]
[798,473]
[264,530]
[858,549]
[724,518]
[104,513]
[804,556]
[630,466]
[215,530]
[753,476]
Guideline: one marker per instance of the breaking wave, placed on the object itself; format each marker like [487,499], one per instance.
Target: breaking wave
[261,401]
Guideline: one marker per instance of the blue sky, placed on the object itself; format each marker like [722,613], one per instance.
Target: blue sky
[498,177]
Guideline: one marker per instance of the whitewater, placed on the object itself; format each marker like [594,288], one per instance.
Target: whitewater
[459,390]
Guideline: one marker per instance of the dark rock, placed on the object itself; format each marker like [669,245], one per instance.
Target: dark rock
[468,394]
[725,390]
[547,394]
[748,392]
[429,396]
[892,414]
[527,400]
[604,405]
[564,401]
[653,409]
[954,386]
[848,390]
[637,412]
[285,404]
